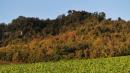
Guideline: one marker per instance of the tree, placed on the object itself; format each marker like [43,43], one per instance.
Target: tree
[101,16]
[2,30]
[61,16]
[119,19]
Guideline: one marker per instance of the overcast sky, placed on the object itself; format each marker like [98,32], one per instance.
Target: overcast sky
[10,9]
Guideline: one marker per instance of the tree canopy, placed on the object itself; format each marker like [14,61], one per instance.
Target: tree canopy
[79,34]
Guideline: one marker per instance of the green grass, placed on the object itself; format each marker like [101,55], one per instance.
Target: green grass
[103,65]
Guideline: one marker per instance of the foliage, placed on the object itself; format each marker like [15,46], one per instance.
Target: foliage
[107,65]
[78,35]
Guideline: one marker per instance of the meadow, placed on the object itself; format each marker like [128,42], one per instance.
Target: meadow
[102,65]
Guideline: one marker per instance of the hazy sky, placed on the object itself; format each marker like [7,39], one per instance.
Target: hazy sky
[10,9]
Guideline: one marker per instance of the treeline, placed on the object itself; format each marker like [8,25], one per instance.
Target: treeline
[79,34]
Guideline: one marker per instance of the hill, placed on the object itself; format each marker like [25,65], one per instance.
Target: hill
[80,34]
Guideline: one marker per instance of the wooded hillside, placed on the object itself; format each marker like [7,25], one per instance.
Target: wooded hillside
[79,34]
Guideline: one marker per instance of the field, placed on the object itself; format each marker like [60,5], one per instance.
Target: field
[103,65]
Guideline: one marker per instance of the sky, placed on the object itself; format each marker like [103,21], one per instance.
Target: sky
[43,9]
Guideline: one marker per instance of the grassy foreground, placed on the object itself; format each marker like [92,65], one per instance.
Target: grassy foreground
[103,65]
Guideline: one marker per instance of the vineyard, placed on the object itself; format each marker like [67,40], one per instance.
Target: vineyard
[103,65]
